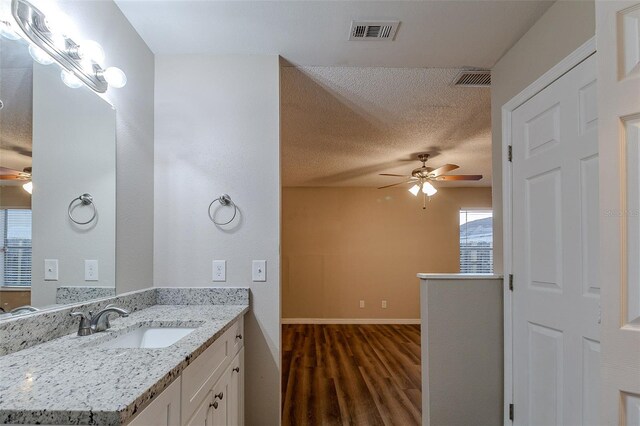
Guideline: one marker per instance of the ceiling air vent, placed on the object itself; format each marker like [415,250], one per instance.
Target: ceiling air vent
[473,78]
[373,30]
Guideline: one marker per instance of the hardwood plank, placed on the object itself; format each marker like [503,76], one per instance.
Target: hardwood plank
[351,375]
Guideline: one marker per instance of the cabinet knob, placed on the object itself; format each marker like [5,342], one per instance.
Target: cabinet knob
[219,395]
[214,405]
[239,336]
[236,369]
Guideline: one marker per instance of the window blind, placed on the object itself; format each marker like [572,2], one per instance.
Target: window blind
[476,241]
[15,230]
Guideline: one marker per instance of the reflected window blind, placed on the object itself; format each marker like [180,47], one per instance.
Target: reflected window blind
[15,251]
[476,241]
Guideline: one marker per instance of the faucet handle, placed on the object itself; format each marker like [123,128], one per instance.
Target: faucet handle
[84,328]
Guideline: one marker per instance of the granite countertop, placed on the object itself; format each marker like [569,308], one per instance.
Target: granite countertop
[71,380]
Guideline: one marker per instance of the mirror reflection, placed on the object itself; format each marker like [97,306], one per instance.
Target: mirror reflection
[57,186]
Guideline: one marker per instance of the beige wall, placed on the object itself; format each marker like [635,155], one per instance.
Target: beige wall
[561,30]
[343,245]
[14,197]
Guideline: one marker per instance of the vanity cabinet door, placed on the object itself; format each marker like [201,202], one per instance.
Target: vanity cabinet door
[219,411]
[203,415]
[164,409]
[235,404]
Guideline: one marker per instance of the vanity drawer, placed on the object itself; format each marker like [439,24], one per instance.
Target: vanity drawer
[200,376]
[236,337]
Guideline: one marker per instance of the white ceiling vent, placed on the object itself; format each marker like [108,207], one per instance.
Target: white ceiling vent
[473,78]
[373,30]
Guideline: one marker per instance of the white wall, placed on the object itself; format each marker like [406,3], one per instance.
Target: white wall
[102,20]
[74,152]
[217,131]
[562,29]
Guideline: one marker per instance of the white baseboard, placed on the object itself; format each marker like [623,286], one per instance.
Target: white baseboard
[350,321]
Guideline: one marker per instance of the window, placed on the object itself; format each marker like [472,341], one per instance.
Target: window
[476,241]
[15,247]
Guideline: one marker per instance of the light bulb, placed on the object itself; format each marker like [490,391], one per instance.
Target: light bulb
[39,55]
[59,41]
[428,189]
[92,50]
[70,79]
[414,190]
[115,77]
[59,23]
[28,187]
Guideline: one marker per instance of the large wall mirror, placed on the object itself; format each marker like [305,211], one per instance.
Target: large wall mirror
[56,144]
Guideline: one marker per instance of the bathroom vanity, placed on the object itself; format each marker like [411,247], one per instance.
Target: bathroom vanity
[177,359]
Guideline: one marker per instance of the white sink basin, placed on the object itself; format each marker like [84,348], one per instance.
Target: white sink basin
[148,337]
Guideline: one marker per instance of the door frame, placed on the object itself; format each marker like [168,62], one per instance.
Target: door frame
[557,71]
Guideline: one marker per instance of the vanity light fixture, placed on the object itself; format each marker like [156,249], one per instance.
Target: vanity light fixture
[81,63]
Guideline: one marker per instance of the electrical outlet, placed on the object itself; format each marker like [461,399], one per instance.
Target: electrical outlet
[362,303]
[51,269]
[91,270]
[219,270]
[384,304]
[259,270]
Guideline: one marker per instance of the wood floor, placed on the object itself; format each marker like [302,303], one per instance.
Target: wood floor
[351,375]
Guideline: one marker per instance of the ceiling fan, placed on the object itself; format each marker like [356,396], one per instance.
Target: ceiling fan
[422,177]
[11,174]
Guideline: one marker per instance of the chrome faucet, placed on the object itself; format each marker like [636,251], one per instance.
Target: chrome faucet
[100,321]
[90,324]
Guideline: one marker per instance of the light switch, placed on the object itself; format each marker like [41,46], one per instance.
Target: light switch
[362,304]
[384,304]
[51,269]
[219,270]
[91,270]
[259,270]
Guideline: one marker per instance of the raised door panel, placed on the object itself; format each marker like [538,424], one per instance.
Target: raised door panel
[164,410]
[546,376]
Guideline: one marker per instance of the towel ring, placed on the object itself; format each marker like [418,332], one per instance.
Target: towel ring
[85,200]
[224,200]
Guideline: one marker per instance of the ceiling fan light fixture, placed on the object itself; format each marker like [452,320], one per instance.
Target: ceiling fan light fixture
[429,189]
[28,187]
[414,190]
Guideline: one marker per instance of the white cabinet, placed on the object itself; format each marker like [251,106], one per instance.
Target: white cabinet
[164,409]
[210,391]
[223,404]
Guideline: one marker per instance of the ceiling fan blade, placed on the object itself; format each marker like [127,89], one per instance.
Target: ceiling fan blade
[443,169]
[399,183]
[458,177]
[11,174]
[394,175]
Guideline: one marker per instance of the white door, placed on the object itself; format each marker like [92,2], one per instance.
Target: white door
[556,348]
[618,39]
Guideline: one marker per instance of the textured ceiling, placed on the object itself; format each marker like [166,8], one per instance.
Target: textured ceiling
[342,126]
[16,86]
[432,33]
